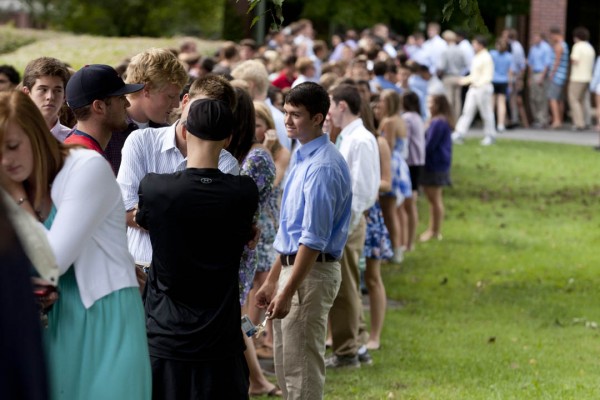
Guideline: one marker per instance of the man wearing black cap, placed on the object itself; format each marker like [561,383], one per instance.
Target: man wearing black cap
[96,94]
[199,220]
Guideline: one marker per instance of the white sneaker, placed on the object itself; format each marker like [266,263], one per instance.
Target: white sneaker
[457,138]
[501,128]
[488,141]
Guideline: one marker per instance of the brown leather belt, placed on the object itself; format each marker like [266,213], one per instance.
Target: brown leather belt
[288,259]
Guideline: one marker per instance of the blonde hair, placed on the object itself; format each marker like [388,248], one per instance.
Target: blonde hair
[48,153]
[253,71]
[156,68]
[392,101]
[263,112]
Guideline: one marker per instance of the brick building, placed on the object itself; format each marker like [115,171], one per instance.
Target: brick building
[567,15]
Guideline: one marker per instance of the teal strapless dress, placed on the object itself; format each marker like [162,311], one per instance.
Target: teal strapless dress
[100,352]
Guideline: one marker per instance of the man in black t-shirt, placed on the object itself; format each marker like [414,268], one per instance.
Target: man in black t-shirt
[199,220]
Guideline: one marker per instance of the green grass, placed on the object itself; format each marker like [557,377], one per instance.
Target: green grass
[79,50]
[506,305]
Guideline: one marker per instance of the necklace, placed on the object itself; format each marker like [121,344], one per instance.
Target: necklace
[21,200]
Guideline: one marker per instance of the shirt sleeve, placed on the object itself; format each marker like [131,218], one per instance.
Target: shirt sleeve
[132,170]
[321,191]
[228,163]
[365,173]
[87,198]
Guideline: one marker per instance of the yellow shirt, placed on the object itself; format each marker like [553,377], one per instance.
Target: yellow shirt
[482,70]
[582,62]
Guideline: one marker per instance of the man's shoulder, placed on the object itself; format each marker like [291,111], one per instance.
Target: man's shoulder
[148,135]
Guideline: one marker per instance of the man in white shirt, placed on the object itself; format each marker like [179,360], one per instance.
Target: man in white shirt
[164,150]
[359,148]
[44,80]
[433,47]
[582,65]
[479,95]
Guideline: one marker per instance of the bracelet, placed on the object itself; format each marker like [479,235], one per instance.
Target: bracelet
[22,200]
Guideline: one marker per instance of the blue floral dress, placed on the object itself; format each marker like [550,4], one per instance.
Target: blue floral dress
[259,165]
[377,239]
[401,184]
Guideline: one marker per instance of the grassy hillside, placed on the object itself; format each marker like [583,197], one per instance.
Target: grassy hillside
[79,50]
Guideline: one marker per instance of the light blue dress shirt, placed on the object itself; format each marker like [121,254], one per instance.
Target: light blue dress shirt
[540,56]
[315,208]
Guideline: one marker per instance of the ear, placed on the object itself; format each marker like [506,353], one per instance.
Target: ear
[342,105]
[26,90]
[98,107]
[227,141]
[146,91]
[183,133]
[185,100]
[317,119]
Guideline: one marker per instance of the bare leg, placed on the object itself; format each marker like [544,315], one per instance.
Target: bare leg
[555,110]
[390,218]
[377,301]
[258,382]
[410,205]
[403,224]
[500,100]
[436,213]
[522,112]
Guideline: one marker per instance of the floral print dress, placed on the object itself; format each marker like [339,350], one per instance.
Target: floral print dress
[259,165]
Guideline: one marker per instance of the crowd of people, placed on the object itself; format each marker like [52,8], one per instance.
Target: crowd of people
[159,201]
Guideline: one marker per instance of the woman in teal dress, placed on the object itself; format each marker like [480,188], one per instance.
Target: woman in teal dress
[96,346]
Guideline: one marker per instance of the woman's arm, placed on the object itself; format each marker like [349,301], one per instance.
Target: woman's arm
[86,198]
[385,163]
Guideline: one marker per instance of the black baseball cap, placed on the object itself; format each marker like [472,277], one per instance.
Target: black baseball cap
[209,119]
[96,82]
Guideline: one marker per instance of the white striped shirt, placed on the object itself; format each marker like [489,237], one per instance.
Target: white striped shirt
[153,150]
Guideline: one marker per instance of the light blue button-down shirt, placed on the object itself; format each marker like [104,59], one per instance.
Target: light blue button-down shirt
[315,208]
[540,56]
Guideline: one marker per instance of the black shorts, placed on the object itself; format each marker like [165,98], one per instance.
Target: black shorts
[433,178]
[500,88]
[415,176]
[226,378]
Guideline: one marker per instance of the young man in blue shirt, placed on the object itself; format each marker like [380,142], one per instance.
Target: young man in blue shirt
[313,228]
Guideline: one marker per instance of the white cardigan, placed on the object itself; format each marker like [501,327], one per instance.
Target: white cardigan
[89,228]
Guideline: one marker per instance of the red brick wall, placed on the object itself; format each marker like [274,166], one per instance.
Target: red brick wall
[545,14]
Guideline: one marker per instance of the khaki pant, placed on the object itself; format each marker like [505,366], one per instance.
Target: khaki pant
[576,94]
[453,93]
[478,99]
[299,338]
[345,314]
[538,101]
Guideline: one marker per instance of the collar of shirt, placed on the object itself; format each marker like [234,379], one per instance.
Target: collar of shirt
[306,150]
[347,131]
[169,141]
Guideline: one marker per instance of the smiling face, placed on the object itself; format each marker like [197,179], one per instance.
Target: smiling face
[17,155]
[48,94]
[300,125]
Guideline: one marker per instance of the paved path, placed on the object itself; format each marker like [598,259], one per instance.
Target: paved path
[587,138]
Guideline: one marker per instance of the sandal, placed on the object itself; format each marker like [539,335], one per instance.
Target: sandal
[275,392]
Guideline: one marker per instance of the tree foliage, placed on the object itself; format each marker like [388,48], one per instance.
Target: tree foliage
[131,17]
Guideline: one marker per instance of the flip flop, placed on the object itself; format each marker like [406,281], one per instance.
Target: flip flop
[275,392]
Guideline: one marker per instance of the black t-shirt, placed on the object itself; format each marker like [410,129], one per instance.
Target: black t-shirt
[199,221]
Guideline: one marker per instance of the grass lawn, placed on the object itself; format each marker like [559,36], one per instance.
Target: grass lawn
[79,50]
[506,306]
